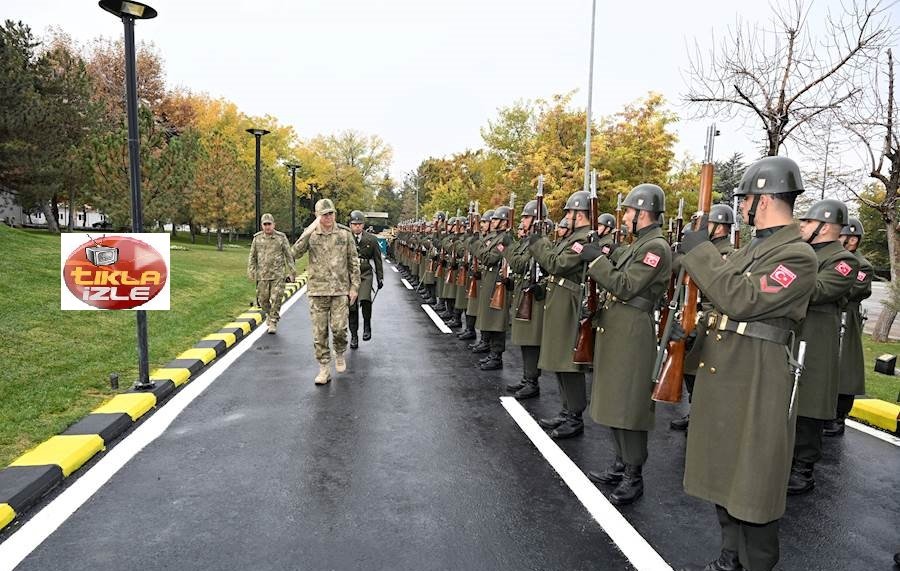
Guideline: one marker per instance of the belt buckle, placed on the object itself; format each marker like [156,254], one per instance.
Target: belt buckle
[561,281]
[741,328]
[723,321]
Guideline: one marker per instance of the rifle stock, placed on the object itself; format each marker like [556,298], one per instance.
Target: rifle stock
[583,352]
[526,303]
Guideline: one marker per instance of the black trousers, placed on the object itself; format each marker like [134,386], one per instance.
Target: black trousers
[689,384]
[572,390]
[756,544]
[354,314]
[530,356]
[808,443]
[470,322]
[631,445]
[496,339]
[844,406]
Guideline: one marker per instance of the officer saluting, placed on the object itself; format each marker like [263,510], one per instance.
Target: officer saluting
[270,259]
[818,391]
[742,416]
[369,254]
[626,334]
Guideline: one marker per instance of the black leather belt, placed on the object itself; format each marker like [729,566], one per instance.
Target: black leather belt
[639,303]
[824,308]
[754,329]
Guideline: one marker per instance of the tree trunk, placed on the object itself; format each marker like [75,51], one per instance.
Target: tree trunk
[886,319]
[71,210]
[193,231]
[882,330]
[174,230]
[207,235]
[51,214]
[219,245]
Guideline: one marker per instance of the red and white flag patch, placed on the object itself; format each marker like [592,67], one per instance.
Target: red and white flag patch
[577,247]
[843,268]
[783,276]
[501,247]
[651,259]
[861,276]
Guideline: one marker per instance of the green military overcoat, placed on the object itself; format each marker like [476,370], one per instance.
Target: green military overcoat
[625,340]
[525,333]
[741,440]
[369,256]
[476,244]
[460,259]
[490,319]
[561,310]
[692,359]
[818,389]
[448,289]
[853,367]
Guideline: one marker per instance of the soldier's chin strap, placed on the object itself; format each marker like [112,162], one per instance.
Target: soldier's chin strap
[634,222]
[815,233]
[751,214]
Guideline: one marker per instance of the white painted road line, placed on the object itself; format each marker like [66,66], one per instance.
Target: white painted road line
[15,549]
[889,438]
[639,553]
[406,283]
[437,320]
[395,269]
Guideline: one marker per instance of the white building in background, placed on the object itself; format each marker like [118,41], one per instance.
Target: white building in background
[86,217]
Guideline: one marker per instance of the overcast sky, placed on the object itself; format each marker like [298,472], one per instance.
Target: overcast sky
[424,75]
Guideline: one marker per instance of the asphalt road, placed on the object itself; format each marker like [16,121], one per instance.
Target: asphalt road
[409,461]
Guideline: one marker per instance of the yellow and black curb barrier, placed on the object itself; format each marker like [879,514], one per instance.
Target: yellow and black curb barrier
[30,476]
[878,413]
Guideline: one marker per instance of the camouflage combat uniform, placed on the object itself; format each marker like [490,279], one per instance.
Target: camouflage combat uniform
[270,261]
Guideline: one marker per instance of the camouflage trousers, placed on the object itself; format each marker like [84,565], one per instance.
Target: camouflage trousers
[329,312]
[269,294]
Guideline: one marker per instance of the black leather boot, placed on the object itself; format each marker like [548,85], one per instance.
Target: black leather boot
[456,321]
[727,561]
[481,347]
[553,421]
[354,341]
[367,331]
[680,423]
[513,387]
[530,390]
[630,488]
[573,426]
[834,427]
[494,363]
[611,476]
[466,335]
[801,480]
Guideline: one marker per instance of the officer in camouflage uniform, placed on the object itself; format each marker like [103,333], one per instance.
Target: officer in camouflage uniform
[852,369]
[818,390]
[633,280]
[527,334]
[493,322]
[562,314]
[270,261]
[332,287]
[742,416]
[721,218]
[369,257]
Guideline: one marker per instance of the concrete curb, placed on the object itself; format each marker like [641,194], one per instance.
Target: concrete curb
[878,413]
[39,470]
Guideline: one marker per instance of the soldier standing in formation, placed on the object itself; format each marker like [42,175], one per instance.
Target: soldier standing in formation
[852,368]
[473,304]
[721,218]
[492,320]
[634,279]
[371,276]
[332,287]
[739,447]
[270,262]
[818,391]
[562,313]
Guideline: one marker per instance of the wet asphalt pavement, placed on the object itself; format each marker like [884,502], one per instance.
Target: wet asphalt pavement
[409,461]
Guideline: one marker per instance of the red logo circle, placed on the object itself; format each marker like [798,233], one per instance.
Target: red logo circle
[115,272]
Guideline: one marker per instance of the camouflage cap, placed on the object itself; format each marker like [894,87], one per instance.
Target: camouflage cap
[324,206]
[267,218]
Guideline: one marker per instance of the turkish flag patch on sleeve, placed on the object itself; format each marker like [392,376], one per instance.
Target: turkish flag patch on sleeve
[843,268]
[783,275]
[861,276]
[651,259]
[577,247]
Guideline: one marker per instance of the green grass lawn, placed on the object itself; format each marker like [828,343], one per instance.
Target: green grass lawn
[880,386]
[55,365]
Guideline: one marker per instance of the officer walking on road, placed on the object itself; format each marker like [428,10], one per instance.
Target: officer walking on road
[634,280]
[332,287]
[371,276]
[743,416]
[270,261]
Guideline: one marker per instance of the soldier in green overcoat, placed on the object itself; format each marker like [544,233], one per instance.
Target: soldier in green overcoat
[626,334]
[493,321]
[852,368]
[528,275]
[470,304]
[460,259]
[477,250]
[371,273]
[742,417]
[818,390]
[562,314]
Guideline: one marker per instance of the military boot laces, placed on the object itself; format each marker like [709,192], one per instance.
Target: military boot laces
[611,476]
[630,488]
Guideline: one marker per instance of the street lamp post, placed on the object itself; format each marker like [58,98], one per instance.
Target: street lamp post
[293,168]
[129,12]
[258,133]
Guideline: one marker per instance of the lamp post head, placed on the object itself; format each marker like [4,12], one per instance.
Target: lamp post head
[258,132]
[126,8]
[292,166]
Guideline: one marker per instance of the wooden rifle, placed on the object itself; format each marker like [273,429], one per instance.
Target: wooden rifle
[472,292]
[617,236]
[526,302]
[461,274]
[671,377]
[674,240]
[583,352]
[498,296]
